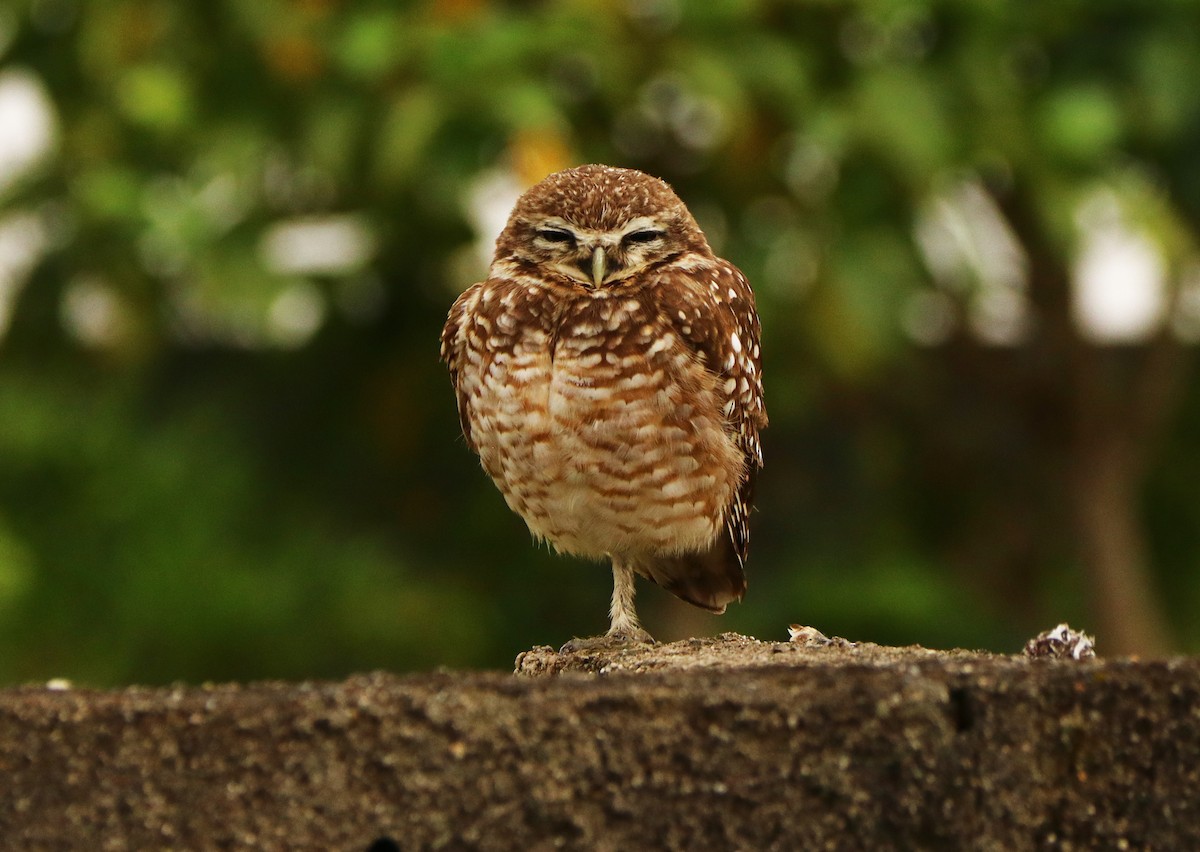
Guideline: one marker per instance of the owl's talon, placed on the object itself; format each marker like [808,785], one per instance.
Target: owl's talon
[609,641]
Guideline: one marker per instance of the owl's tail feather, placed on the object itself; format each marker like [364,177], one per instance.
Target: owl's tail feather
[709,580]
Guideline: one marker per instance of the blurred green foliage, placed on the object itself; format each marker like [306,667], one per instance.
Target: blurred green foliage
[227,449]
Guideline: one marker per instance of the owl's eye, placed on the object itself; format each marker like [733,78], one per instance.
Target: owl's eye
[645,235]
[556,235]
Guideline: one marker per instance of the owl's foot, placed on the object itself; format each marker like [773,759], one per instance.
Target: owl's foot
[611,640]
[624,628]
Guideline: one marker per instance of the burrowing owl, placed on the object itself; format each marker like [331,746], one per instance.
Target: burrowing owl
[608,376]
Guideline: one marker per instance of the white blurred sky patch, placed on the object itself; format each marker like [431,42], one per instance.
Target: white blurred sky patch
[1119,280]
[970,250]
[327,245]
[490,199]
[296,314]
[28,126]
[22,240]
[28,134]
[91,312]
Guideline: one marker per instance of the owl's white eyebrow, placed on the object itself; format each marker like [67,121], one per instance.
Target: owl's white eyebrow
[556,223]
[641,223]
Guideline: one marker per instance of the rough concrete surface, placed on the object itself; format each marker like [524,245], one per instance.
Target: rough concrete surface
[724,743]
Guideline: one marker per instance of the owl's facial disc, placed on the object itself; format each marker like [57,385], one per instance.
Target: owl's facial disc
[594,257]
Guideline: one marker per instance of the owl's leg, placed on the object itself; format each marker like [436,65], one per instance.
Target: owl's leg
[624,628]
[623,621]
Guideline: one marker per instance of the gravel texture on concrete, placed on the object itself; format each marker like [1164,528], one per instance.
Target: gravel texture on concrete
[724,743]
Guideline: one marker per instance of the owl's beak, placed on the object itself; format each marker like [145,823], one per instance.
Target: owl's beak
[599,266]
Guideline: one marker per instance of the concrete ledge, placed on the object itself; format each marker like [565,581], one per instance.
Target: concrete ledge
[802,747]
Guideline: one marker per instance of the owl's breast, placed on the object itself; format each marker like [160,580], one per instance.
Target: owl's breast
[605,432]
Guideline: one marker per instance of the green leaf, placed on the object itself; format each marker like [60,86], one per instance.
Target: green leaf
[1081,124]
[157,97]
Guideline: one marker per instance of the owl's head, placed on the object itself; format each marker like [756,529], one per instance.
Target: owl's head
[599,225]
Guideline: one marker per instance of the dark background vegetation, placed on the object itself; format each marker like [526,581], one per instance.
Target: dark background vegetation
[228,450]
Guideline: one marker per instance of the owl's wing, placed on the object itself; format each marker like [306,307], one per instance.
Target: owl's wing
[717,317]
[454,346]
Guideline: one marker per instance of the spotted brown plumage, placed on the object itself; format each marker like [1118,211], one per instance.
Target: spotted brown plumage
[608,375]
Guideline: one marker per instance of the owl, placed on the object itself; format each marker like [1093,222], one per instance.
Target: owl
[608,374]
